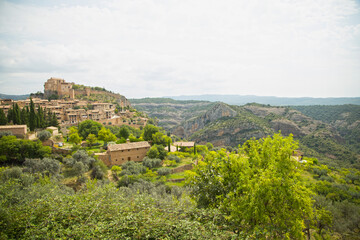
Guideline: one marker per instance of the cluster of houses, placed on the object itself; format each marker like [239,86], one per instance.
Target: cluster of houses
[70,111]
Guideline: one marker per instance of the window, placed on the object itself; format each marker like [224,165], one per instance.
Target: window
[129,158]
[137,156]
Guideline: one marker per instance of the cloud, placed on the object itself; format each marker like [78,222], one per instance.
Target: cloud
[176,47]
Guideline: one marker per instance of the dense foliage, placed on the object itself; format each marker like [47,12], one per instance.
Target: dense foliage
[259,190]
[13,150]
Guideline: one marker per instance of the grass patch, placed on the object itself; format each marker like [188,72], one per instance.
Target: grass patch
[176,175]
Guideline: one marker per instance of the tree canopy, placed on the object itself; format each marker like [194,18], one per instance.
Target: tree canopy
[89,126]
[260,190]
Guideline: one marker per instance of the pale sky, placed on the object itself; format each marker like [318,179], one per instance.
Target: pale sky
[149,48]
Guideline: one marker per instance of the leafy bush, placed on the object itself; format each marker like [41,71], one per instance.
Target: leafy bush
[89,126]
[132,168]
[44,166]
[5,133]
[97,173]
[164,171]
[153,152]
[16,150]
[80,156]
[151,162]
[169,163]
[174,158]
[10,173]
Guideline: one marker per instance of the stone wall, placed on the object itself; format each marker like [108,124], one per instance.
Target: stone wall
[17,130]
[104,157]
[182,168]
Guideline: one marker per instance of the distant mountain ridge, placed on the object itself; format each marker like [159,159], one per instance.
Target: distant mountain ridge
[14,97]
[274,101]
[329,133]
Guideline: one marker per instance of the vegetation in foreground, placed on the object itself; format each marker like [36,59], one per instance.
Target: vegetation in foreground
[258,191]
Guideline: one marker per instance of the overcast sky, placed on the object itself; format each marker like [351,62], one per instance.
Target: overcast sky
[148,48]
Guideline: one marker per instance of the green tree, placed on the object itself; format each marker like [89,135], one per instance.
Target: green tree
[149,131]
[44,135]
[40,118]
[153,152]
[53,122]
[75,138]
[162,152]
[15,150]
[91,139]
[10,114]
[24,115]
[260,190]
[106,135]
[89,126]
[161,139]
[32,116]
[16,114]
[3,119]
[124,132]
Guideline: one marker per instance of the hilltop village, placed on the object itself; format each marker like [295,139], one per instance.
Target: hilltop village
[73,103]
[78,107]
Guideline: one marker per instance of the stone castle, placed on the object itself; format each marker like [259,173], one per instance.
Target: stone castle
[62,89]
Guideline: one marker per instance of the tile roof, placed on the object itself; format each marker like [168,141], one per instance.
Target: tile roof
[12,126]
[126,146]
[184,144]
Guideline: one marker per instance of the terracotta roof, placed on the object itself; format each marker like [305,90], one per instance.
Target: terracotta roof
[12,126]
[184,144]
[126,146]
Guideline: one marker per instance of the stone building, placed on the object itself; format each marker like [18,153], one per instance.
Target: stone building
[16,130]
[184,144]
[57,86]
[118,154]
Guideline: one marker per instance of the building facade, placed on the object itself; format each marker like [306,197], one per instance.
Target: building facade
[118,154]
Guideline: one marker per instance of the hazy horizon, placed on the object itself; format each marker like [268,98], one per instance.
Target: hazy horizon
[154,48]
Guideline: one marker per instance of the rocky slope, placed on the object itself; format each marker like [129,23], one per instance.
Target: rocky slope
[171,113]
[228,125]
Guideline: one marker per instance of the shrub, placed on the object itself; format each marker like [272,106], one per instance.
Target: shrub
[174,158]
[132,168]
[80,156]
[5,133]
[164,171]
[14,172]
[153,152]
[97,173]
[151,162]
[169,163]
[44,166]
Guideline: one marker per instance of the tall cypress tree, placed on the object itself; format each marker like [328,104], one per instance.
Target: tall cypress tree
[3,119]
[16,115]
[54,122]
[32,116]
[10,115]
[24,114]
[40,116]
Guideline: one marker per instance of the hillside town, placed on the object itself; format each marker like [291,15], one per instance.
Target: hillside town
[70,108]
